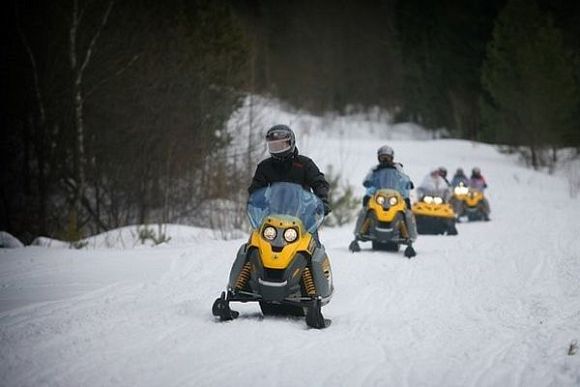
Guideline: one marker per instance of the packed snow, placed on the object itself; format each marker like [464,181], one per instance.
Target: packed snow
[497,305]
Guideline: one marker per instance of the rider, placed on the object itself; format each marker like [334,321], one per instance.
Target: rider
[459,178]
[443,174]
[477,182]
[434,184]
[286,165]
[385,156]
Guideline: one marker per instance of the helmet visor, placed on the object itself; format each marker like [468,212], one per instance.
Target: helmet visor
[385,158]
[279,146]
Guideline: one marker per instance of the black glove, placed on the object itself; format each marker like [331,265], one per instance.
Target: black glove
[365,200]
[327,209]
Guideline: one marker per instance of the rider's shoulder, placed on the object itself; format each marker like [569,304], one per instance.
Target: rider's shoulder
[303,160]
[396,166]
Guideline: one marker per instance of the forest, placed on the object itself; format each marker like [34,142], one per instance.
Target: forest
[115,111]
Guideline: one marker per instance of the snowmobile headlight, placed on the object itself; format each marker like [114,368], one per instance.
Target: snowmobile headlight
[428,199]
[393,200]
[461,190]
[380,200]
[437,200]
[290,235]
[269,233]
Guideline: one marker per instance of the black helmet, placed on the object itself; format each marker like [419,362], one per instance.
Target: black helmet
[476,171]
[385,154]
[460,172]
[281,141]
[442,171]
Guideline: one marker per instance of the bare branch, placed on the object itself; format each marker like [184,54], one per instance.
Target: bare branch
[37,91]
[116,74]
[89,52]
[73,35]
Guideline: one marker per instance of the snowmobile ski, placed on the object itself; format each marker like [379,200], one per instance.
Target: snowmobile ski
[221,308]
[314,317]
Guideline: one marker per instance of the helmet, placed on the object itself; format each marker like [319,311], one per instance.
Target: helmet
[281,141]
[476,171]
[385,154]
[442,171]
[459,172]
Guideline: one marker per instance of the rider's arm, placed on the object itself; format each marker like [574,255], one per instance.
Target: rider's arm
[369,180]
[316,180]
[259,180]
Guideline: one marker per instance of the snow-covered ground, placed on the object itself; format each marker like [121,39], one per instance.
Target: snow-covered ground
[497,305]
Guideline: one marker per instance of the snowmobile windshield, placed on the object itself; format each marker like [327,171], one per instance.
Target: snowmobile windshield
[286,199]
[392,179]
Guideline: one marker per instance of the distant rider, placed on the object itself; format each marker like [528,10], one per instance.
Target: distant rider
[477,182]
[434,184]
[459,178]
[385,156]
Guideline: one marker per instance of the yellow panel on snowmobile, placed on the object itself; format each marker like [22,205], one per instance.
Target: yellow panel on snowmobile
[278,253]
[386,203]
[442,210]
[473,198]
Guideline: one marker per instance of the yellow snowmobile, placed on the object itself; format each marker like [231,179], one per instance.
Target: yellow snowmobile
[283,266]
[385,220]
[434,215]
[457,201]
[473,205]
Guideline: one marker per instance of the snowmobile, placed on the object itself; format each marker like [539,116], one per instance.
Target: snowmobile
[457,201]
[434,215]
[283,267]
[472,205]
[384,221]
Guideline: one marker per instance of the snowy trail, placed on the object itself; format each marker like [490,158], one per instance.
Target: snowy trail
[497,305]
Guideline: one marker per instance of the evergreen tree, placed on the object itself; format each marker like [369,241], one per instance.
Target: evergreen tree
[442,45]
[532,94]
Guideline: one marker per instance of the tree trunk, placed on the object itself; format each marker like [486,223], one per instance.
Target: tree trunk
[78,69]
[534,156]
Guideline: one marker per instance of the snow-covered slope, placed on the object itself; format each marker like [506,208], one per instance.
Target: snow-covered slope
[497,305]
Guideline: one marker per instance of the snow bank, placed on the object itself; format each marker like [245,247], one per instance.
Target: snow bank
[139,237]
[9,241]
[49,242]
